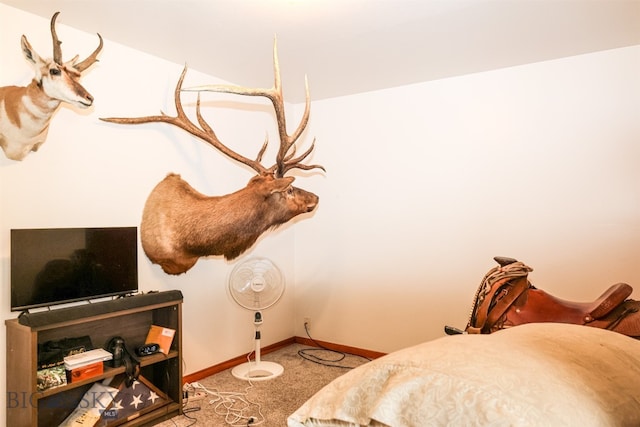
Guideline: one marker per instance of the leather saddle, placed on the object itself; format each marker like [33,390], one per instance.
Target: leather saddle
[506,298]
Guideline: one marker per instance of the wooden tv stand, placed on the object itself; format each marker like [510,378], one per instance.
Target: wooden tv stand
[129,318]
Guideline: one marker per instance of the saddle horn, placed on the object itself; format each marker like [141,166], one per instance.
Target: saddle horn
[504,260]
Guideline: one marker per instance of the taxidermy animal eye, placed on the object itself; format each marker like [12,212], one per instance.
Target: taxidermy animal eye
[290,190]
[54,72]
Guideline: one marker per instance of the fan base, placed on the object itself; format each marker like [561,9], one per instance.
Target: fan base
[257,371]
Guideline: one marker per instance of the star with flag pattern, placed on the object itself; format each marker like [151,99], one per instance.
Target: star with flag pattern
[117,405]
[136,401]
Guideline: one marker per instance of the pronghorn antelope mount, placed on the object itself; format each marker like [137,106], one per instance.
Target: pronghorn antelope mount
[180,225]
[26,111]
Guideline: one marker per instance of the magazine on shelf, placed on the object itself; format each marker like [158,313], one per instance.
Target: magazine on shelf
[91,406]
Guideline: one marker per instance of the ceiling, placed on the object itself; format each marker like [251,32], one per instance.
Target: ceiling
[351,46]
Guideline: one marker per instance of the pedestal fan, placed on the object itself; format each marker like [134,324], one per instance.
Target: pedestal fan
[256,284]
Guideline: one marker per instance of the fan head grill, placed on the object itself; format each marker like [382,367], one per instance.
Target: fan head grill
[256,284]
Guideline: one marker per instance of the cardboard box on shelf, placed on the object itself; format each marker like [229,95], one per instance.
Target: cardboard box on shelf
[83,372]
[161,336]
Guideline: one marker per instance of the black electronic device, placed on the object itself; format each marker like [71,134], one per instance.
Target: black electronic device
[51,266]
[121,356]
[147,349]
[118,350]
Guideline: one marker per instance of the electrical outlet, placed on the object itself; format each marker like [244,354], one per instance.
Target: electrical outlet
[307,324]
[193,392]
[197,395]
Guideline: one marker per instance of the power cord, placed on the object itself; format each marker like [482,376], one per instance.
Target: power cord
[308,354]
[184,414]
[234,406]
[186,389]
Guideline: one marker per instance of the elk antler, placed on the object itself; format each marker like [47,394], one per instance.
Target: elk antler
[285,160]
[57,51]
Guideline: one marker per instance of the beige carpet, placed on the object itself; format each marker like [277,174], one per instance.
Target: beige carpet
[270,401]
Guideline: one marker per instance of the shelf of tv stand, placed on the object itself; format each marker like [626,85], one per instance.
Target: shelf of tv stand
[129,318]
[108,372]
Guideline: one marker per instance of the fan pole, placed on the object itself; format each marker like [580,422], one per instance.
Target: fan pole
[257,345]
[257,370]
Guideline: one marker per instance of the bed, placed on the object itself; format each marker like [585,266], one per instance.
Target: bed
[537,374]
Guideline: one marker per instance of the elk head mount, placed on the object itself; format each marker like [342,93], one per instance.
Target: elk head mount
[180,225]
[25,111]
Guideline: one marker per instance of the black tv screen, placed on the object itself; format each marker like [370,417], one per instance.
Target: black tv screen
[59,265]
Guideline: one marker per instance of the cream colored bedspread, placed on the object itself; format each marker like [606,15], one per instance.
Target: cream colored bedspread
[539,374]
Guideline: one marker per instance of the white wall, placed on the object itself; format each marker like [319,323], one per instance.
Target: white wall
[91,173]
[424,185]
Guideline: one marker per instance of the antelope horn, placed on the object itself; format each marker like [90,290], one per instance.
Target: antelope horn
[57,52]
[91,59]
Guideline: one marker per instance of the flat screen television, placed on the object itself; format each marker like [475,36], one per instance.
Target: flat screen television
[51,266]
